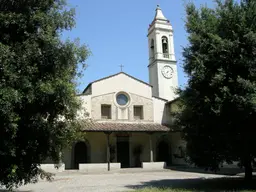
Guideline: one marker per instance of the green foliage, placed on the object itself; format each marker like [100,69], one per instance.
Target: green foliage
[220,99]
[38,102]
[154,189]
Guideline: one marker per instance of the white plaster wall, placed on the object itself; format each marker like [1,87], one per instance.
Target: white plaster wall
[167,87]
[85,111]
[121,82]
[98,147]
[163,87]
[160,111]
[153,79]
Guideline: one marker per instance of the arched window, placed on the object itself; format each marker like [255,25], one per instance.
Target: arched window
[152,48]
[165,46]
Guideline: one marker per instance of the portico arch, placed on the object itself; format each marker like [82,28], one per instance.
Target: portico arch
[163,151]
[80,153]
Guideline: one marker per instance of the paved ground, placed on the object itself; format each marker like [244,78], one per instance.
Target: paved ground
[122,181]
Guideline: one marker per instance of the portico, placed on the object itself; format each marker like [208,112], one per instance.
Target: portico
[129,144]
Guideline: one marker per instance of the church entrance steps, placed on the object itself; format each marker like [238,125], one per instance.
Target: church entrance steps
[53,168]
[153,165]
[103,168]
[98,167]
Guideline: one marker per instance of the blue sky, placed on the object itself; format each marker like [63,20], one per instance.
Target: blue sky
[116,33]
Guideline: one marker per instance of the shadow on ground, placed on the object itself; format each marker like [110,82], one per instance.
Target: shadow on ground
[222,171]
[3,190]
[203,185]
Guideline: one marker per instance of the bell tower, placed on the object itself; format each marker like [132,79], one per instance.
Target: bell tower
[162,63]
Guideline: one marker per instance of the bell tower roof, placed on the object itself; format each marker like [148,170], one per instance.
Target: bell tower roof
[159,14]
[160,19]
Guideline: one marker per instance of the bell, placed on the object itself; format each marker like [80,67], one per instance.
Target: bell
[164,40]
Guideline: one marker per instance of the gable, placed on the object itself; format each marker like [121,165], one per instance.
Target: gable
[119,82]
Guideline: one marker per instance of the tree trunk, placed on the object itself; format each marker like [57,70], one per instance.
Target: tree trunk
[247,157]
[248,170]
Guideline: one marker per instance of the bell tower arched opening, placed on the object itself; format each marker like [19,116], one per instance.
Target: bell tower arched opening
[165,47]
[152,49]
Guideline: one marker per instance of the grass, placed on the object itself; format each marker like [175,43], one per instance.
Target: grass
[161,190]
[174,190]
[194,185]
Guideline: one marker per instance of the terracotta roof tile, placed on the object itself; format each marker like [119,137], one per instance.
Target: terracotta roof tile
[119,127]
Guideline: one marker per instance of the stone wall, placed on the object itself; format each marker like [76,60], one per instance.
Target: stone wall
[118,113]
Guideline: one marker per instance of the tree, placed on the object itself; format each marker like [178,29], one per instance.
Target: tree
[38,72]
[219,103]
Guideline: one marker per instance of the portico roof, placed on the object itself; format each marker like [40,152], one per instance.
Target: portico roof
[125,127]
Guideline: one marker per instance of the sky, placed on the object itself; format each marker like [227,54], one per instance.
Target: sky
[115,31]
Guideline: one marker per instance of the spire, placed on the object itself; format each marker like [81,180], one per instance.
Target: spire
[160,19]
[159,14]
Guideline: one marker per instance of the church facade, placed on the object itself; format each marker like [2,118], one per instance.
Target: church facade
[130,120]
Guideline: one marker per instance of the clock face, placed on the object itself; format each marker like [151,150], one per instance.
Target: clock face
[167,72]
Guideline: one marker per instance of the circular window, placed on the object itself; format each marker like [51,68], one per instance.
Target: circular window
[122,99]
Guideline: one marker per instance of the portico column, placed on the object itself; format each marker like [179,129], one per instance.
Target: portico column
[108,149]
[151,148]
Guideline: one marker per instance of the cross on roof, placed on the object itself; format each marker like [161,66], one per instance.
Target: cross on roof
[121,66]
